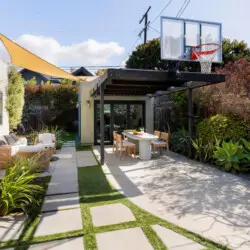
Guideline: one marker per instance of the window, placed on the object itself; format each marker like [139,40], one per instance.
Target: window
[1,108]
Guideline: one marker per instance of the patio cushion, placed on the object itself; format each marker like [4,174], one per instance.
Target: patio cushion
[46,145]
[46,138]
[9,140]
[157,142]
[2,142]
[35,148]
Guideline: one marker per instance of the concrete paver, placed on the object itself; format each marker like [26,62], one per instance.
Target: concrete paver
[85,158]
[59,222]
[126,239]
[111,214]
[67,244]
[11,227]
[59,202]
[197,197]
[175,241]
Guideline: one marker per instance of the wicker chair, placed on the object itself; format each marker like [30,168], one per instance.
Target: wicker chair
[48,141]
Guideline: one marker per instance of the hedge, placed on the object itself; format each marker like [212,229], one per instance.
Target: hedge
[223,127]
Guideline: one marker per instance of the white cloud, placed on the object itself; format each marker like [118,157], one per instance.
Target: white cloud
[89,52]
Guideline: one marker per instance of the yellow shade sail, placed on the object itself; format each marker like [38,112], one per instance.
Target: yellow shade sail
[25,59]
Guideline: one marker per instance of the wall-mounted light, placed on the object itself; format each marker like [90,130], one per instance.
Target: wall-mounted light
[88,103]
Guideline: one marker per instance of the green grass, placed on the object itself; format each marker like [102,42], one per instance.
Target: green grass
[68,136]
[84,148]
[95,190]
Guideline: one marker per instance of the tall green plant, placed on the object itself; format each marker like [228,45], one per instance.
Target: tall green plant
[15,98]
[179,141]
[229,155]
[17,192]
[204,152]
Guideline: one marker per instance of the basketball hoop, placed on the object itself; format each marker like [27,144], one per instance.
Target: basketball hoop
[205,53]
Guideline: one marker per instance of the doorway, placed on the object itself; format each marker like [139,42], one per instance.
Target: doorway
[118,116]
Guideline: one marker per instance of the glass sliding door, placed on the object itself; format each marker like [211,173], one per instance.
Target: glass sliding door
[107,124]
[118,116]
[136,116]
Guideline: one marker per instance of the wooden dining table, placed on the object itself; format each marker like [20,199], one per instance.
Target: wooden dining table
[144,143]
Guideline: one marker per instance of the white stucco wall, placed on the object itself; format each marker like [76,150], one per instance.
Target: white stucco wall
[4,127]
[87,112]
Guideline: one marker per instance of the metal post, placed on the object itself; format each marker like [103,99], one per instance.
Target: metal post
[190,119]
[145,29]
[102,122]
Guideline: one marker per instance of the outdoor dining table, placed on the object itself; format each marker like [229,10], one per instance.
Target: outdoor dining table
[144,143]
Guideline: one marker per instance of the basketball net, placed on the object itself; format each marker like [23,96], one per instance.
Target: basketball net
[206,54]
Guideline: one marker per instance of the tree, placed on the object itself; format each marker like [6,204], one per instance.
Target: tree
[66,82]
[15,98]
[148,56]
[231,96]
[100,72]
[234,50]
[32,81]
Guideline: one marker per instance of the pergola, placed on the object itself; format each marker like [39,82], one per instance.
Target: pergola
[137,82]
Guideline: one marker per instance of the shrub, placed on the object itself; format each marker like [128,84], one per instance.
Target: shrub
[222,127]
[15,98]
[179,141]
[50,105]
[18,191]
[232,156]
[23,164]
[204,152]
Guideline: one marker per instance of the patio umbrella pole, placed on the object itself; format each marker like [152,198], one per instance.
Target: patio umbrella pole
[102,122]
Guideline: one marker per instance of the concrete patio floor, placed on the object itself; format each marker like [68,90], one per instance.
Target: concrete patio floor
[192,195]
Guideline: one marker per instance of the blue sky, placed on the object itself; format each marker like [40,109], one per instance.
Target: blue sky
[102,32]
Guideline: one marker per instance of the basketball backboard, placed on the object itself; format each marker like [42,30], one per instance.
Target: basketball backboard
[179,36]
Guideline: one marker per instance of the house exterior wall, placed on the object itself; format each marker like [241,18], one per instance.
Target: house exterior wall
[87,111]
[4,126]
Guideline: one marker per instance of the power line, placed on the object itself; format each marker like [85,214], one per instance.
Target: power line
[165,7]
[154,29]
[138,38]
[185,8]
[181,8]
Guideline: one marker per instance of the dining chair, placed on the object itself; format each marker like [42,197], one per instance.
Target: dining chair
[124,146]
[114,141]
[162,142]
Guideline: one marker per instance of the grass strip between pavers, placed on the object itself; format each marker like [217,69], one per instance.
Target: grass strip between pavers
[95,190]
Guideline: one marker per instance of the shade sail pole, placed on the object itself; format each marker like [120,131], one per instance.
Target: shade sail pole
[102,122]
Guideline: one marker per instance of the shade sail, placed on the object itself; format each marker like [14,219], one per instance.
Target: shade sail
[25,59]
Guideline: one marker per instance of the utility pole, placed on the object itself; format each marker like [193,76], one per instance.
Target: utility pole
[146,23]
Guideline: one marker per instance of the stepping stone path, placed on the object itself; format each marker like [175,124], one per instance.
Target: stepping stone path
[69,144]
[67,244]
[125,239]
[64,178]
[175,241]
[85,159]
[59,202]
[11,227]
[111,214]
[61,208]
